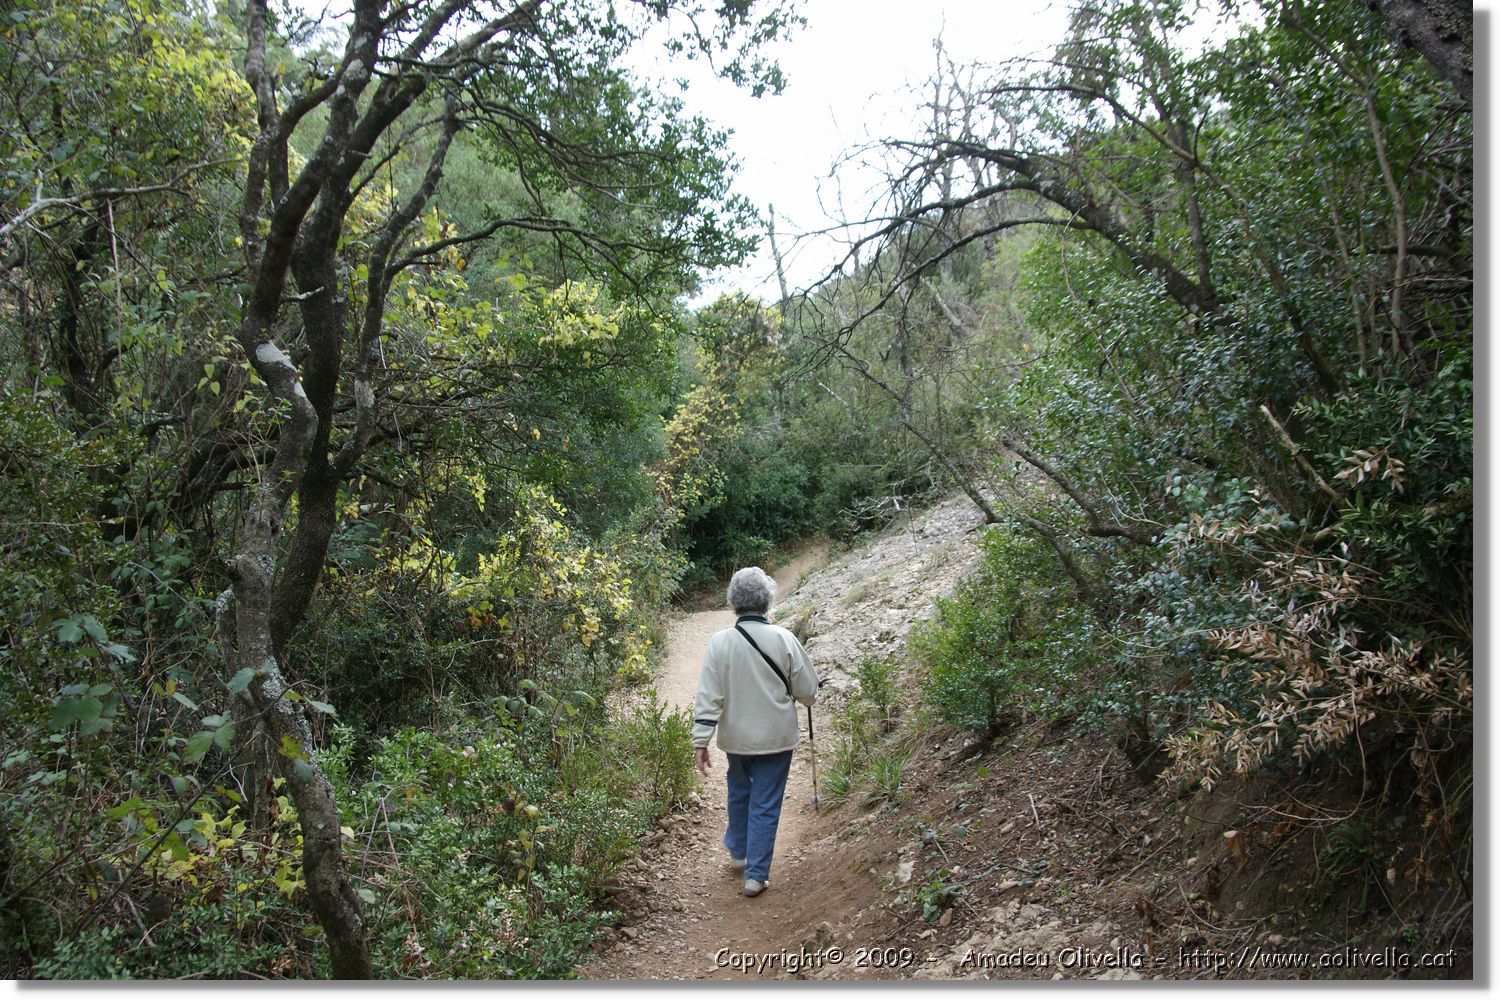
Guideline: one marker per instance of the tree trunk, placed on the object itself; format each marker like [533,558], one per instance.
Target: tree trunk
[325,319]
[1443,31]
[334,901]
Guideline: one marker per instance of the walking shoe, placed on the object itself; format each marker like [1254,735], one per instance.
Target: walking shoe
[754,887]
[738,864]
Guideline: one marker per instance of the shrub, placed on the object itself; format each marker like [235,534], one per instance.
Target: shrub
[1356,638]
[480,864]
[1012,641]
[865,755]
[877,688]
[653,747]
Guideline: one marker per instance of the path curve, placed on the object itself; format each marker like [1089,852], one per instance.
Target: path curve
[685,916]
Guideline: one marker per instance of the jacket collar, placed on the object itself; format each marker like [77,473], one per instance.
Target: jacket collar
[752,618]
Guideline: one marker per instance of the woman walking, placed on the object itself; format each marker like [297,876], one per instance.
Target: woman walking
[753,675]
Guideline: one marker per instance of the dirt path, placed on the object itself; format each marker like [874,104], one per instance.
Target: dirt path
[686,917]
[692,897]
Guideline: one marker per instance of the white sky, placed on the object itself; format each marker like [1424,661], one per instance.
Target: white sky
[847,72]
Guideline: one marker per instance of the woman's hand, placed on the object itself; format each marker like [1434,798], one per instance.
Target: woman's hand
[703,761]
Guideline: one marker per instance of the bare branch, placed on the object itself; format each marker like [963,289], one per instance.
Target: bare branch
[1098,525]
[42,204]
[1296,453]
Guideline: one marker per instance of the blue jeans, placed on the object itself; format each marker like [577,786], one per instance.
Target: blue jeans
[757,783]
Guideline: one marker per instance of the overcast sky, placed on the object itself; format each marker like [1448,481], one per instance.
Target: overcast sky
[848,73]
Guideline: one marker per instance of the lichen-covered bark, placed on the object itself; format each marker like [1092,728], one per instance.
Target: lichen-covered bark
[253,567]
[1443,31]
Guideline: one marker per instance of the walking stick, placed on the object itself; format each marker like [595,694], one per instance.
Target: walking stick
[812,748]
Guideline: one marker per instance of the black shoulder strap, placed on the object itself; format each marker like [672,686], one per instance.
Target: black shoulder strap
[769,662]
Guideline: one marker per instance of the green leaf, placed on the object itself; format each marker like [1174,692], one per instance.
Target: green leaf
[225,736]
[95,726]
[16,758]
[68,630]
[241,680]
[91,625]
[65,711]
[197,746]
[120,652]
[130,805]
[187,702]
[322,706]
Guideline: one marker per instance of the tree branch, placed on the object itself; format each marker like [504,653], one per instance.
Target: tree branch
[1098,525]
[41,204]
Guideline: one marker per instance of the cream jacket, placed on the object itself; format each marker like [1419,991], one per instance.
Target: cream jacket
[742,699]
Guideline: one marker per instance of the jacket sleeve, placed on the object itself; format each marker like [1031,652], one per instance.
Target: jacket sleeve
[709,703]
[804,679]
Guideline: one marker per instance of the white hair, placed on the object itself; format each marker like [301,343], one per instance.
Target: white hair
[751,591]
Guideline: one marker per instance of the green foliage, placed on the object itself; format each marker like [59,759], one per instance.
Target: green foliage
[1227,391]
[837,779]
[805,448]
[937,895]
[88,81]
[650,750]
[854,738]
[1012,642]
[1354,857]
[883,774]
[1390,602]
[558,449]
[868,756]
[499,560]
[1349,852]
[100,709]
[221,900]
[877,688]
[498,858]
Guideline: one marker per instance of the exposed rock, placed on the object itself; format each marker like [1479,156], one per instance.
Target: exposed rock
[865,597]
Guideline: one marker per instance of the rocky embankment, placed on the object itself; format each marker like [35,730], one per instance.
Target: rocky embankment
[865,602]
